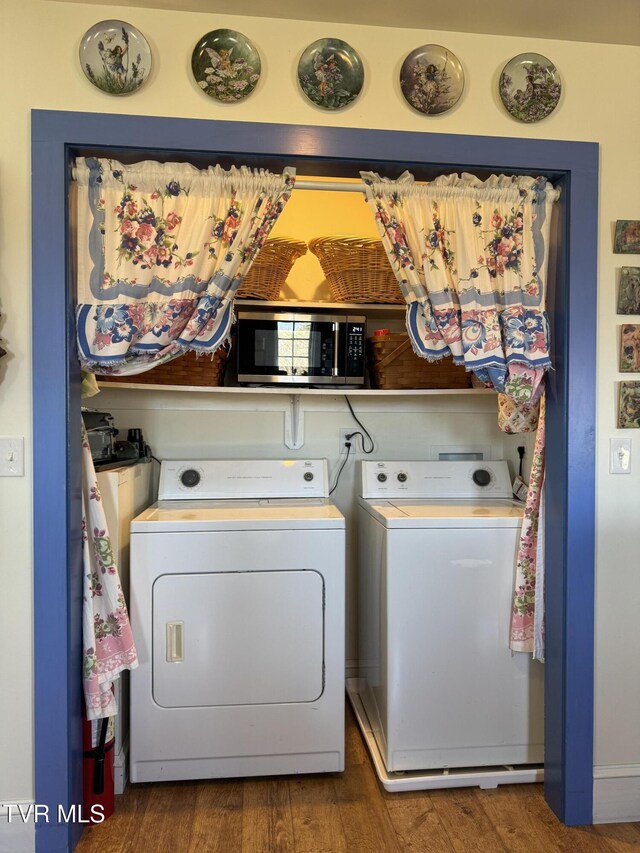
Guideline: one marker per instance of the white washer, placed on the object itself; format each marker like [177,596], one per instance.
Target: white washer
[237,608]
[439,685]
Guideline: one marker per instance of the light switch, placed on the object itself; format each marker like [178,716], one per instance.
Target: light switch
[11,456]
[619,455]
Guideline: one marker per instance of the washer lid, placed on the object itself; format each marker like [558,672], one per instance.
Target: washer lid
[445,513]
[266,514]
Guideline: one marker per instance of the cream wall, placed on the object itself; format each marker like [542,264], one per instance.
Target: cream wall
[39,69]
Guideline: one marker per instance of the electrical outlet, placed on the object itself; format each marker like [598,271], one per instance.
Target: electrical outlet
[343,440]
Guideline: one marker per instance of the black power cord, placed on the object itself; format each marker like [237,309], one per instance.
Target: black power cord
[365,433]
[351,435]
[363,428]
[347,444]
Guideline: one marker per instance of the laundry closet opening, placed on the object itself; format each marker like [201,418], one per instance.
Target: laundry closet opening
[175,421]
[181,424]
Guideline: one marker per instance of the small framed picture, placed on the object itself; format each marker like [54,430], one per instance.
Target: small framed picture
[630,348]
[627,238]
[629,291]
[629,406]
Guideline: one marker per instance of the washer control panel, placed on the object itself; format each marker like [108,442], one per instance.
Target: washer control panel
[243,479]
[443,479]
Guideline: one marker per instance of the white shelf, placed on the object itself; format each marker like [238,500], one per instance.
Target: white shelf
[364,307]
[332,391]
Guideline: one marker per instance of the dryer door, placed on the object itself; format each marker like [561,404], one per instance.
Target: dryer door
[238,638]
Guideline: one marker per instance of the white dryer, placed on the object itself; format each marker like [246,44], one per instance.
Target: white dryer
[237,608]
[439,688]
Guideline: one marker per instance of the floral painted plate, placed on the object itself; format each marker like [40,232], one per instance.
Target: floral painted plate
[226,65]
[530,87]
[115,57]
[330,73]
[432,79]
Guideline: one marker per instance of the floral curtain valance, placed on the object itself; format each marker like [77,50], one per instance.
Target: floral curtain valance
[471,259]
[161,251]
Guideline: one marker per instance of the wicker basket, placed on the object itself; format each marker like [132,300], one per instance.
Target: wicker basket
[394,365]
[270,269]
[187,369]
[357,270]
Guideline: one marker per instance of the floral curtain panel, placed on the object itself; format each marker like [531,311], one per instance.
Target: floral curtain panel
[108,646]
[471,259]
[161,251]
[527,625]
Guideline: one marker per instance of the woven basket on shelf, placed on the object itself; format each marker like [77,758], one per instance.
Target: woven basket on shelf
[394,365]
[357,270]
[270,269]
[187,369]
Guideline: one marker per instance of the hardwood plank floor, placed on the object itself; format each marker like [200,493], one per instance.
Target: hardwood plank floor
[317,822]
[219,810]
[267,822]
[342,813]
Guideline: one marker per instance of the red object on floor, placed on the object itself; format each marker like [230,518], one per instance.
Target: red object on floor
[98,788]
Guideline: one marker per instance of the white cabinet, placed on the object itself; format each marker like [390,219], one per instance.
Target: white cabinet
[125,491]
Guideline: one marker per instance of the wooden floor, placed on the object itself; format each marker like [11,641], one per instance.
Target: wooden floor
[341,813]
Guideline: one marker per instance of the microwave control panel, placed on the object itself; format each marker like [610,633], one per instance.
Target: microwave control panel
[355,350]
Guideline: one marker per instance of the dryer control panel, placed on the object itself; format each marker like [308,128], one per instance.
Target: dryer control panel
[471,479]
[243,479]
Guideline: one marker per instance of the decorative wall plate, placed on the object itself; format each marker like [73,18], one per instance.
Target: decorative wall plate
[115,57]
[432,79]
[226,65]
[330,73]
[530,87]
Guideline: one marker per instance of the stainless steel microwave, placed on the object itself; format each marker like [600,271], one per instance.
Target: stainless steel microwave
[290,348]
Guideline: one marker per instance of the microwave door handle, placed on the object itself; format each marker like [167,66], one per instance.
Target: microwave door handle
[336,342]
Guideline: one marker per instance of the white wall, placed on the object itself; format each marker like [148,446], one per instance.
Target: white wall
[39,69]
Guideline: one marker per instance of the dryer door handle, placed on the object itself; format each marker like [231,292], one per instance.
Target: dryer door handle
[175,642]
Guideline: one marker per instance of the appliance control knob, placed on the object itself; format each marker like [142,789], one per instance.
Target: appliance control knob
[190,478]
[481,477]
[308,476]
[402,477]
[382,478]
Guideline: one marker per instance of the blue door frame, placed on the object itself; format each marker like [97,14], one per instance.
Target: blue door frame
[56,136]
